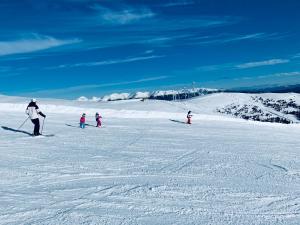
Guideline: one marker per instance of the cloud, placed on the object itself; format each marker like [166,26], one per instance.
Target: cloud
[76,89]
[178,3]
[108,62]
[296,56]
[123,16]
[149,51]
[232,66]
[285,74]
[228,38]
[262,63]
[35,43]
[215,67]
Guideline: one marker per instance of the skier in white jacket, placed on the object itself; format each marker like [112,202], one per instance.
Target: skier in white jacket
[33,112]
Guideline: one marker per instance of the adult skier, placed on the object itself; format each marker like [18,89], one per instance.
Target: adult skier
[33,112]
[98,119]
[189,117]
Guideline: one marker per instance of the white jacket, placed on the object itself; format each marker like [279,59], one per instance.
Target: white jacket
[33,111]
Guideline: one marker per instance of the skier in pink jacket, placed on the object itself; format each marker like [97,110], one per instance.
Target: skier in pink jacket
[82,121]
[98,119]
[189,117]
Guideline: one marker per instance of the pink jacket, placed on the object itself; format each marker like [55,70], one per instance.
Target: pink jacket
[82,119]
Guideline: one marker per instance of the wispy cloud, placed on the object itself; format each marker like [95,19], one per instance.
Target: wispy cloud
[215,67]
[178,3]
[108,62]
[32,44]
[262,63]
[149,51]
[234,66]
[123,16]
[285,74]
[297,55]
[228,38]
[85,88]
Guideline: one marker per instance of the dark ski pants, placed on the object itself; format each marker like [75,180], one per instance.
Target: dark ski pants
[36,123]
[189,121]
[98,122]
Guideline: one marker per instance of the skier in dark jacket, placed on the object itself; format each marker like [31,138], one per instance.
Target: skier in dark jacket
[33,112]
[98,119]
[189,117]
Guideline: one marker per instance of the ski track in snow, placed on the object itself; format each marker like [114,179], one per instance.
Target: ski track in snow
[149,170]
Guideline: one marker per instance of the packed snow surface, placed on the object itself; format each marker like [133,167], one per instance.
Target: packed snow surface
[146,166]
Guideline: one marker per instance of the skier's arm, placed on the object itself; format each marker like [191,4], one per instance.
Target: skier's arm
[39,111]
[42,114]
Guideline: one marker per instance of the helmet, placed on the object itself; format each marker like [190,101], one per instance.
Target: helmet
[33,100]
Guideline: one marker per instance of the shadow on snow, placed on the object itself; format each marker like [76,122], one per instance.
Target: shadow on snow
[178,121]
[16,131]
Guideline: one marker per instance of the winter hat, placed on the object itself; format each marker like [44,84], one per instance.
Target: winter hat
[33,100]
[83,114]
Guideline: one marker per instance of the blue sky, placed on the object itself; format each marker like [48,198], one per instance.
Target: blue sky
[70,48]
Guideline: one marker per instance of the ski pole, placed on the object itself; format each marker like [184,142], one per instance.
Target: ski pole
[23,123]
[43,126]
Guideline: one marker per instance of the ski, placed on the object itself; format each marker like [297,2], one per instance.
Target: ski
[47,135]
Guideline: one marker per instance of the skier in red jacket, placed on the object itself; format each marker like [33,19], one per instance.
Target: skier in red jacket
[82,121]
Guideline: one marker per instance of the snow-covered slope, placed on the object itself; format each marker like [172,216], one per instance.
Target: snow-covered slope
[146,166]
[282,108]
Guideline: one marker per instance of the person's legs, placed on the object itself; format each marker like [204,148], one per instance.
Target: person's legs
[36,123]
[98,123]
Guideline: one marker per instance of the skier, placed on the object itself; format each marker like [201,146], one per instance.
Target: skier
[82,121]
[98,119]
[189,117]
[33,112]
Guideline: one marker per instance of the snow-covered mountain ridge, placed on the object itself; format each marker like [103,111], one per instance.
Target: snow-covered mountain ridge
[279,108]
[169,95]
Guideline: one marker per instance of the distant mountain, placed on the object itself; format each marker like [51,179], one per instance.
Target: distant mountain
[268,89]
[172,95]
[168,95]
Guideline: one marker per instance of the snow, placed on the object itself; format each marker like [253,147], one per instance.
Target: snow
[188,93]
[95,99]
[82,99]
[116,96]
[141,95]
[145,166]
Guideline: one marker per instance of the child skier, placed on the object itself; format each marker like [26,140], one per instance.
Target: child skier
[98,119]
[189,117]
[82,121]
